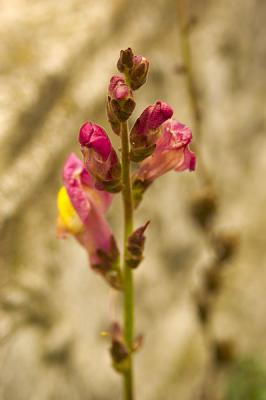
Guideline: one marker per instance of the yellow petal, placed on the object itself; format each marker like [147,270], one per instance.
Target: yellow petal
[68,217]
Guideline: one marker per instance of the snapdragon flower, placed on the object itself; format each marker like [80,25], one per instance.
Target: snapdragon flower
[81,213]
[171,153]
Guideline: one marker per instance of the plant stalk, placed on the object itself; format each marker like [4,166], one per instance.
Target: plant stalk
[190,82]
[127,272]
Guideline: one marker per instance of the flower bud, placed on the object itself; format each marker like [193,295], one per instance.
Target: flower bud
[138,73]
[125,61]
[112,119]
[135,246]
[120,99]
[118,349]
[146,130]
[100,158]
[134,67]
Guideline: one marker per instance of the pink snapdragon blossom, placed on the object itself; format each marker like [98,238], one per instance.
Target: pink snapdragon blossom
[146,130]
[100,158]
[81,213]
[171,153]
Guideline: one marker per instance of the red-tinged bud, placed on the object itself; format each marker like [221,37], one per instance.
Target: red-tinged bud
[125,61]
[134,67]
[146,130]
[138,73]
[118,350]
[120,99]
[135,246]
[100,158]
[112,119]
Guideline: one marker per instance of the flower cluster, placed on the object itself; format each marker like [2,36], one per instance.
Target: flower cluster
[158,144]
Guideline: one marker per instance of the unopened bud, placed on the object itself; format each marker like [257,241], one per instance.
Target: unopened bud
[125,61]
[138,188]
[109,265]
[112,119]
[118,350]
[134,67]
[135,246]
[120,99]
[100,157]
[138,73]
[146,130]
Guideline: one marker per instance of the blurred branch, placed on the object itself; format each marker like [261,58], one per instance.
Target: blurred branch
[185,24]
[204,208]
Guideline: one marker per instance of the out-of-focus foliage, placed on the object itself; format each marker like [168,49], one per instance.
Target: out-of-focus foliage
[247,381]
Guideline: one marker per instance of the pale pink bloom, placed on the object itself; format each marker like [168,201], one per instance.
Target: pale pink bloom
[171,153]
[81,213]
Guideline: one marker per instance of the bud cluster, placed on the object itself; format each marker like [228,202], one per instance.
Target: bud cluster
[134,67]
[158,144]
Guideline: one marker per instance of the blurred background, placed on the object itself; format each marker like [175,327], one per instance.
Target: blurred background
[56,62]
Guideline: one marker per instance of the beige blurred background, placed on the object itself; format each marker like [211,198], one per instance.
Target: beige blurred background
[56,61]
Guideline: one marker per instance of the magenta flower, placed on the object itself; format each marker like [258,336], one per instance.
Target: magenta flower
[81,213]
[100,158]
[171,153]
[146,130]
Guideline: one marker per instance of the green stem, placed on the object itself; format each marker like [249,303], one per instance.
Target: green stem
[128,276]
